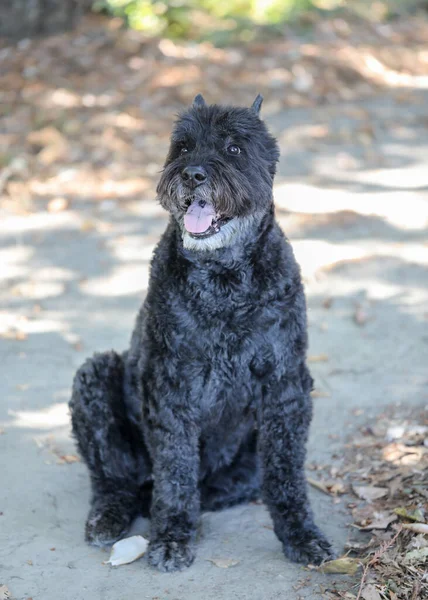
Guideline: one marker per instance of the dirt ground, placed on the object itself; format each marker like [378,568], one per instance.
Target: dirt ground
[79,224]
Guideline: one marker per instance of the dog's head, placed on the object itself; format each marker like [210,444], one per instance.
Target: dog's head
[218,174]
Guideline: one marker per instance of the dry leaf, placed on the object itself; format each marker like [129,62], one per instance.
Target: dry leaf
[344,565]
[13,334]
[369,492]
[57,204]
[68,458]
[318,358]
[361,315]
[327,302]
[415,515]
[356,546]
[380,521]
[87,225]
[127,551]
[369,592]
[319,394]
[420,555]
[224,563]
[4,593]
[54,144]
[332,489]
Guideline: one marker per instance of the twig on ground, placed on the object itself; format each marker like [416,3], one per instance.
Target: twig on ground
[375,558]
[416,590]
[416,527]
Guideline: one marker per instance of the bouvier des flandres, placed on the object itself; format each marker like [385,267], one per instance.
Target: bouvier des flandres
[211,405]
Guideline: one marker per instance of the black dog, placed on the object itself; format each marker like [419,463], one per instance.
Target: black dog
[211,405]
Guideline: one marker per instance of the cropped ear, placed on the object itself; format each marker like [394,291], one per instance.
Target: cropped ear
[257,104]
[199,101]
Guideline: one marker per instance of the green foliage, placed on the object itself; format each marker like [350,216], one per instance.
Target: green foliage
[224,20]
[203,18]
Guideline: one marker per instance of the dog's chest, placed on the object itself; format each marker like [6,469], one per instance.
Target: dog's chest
[232,329]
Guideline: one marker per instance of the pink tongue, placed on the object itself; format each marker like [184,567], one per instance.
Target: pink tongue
[199,218]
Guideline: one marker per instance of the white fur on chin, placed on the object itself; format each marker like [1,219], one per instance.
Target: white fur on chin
[229,233]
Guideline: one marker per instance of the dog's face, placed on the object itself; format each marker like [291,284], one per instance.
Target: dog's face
[219,172]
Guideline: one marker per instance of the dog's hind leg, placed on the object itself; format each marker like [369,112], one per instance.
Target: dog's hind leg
[112,446]
[237,483]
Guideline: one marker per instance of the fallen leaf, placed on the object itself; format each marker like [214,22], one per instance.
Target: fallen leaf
[13,334]
[57,204]
[416,527]
[327,302]
[22,387]
[419,541]
[87,225]
[369,493]
[224,563]
[69,458]
[127,551]
[380,521]
[356,546]
[344,565]
[361,315]
[319,394]
[369,592]
[415,515]
[318,358]
[54,144]
[394,485]
[332,489]
[419,555]
[4,593]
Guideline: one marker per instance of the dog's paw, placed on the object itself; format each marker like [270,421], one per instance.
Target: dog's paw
[170,556]
[310,547]
[106,524]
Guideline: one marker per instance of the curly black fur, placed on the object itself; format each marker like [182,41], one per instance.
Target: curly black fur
[211,405]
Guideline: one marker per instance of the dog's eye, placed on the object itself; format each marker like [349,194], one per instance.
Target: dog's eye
[233,149]
[184,149]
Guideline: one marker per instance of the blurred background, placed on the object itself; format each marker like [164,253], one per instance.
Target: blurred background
[88,94]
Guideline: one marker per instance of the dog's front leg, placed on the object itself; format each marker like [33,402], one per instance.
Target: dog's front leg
[175,504]
[285,415]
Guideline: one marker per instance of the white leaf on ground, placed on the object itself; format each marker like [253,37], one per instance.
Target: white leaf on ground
[224,563]
[126,551]
[370,592]
[369,492]
[4,593]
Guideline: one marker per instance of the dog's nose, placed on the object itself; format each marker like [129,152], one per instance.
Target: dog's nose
[194,175]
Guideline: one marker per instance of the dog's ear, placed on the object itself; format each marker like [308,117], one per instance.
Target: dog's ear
[257,104]
[199,101]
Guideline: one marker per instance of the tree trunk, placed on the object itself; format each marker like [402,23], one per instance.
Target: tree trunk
[28,18]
